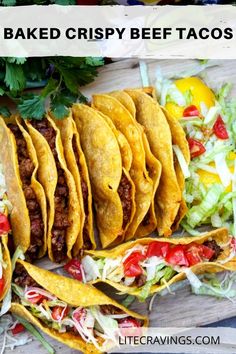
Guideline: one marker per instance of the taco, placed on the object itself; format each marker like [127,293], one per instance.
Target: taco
[75,314]
[168,196]
[113,189]
[181,149]
[153,166]
[76,163]
[126,124]
[145,266]
[20,166]
[63,204]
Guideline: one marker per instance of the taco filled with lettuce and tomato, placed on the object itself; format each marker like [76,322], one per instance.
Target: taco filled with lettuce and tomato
[146,266]
[75,314]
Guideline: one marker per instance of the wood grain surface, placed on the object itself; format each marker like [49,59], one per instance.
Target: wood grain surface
[182,309]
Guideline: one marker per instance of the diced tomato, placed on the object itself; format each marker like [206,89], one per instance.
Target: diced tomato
[207,252]
[57,312]
[196,253]
[4,224]
[18,329]
[135,257]
[133,270]
[196,147]
[233,243]
[73,267]
[219,129]
[2,283]
[129,326]
[193,254]
[36,299]
[80,315]
[191,111]
[131,264]
[159,249]
[176,256]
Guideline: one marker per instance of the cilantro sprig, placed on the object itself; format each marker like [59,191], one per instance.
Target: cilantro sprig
[58,77]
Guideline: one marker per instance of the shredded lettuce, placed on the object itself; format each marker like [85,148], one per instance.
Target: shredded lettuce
[182,162]
[145,290]
[90,267]
[108,324]
[220,286]
[234,199]
[6,304]
[212,115]
[144,73]
[199,213]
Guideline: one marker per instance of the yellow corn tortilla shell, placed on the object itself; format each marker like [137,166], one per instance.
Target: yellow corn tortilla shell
[126,157]
[152,164]
[179,139]
[168,196]
[48,178]
[125,149]
[127,125]
[36,186]
[20,221]
[7,271]
[221,236]
[104,163]
[73,293]
[69,132]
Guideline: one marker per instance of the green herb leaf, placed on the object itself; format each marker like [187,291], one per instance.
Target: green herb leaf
[9,2]
[64,2]
[50,87]
[61,102]
[94,61]
[32,107]
[14,77]
[16,60]
[4,111]
[128,300]
[36,334]
[1,91]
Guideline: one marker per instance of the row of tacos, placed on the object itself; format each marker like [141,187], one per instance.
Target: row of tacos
[52,205]
[108,152]
[146,170]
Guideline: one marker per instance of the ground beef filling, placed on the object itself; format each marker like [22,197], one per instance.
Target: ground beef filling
[125,192]
[61,197]
[26,168]
[22,278]
[213,245]
[86,239]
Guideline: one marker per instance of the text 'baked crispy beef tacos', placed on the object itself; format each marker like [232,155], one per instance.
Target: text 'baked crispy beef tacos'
[20,167]
[125,123]
[64,209]
[153,167]
[113,189]
[75,314]
[145,266]
[168,196]
[76,163]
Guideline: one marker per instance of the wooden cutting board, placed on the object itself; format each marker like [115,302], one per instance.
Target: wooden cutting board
[182,309]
